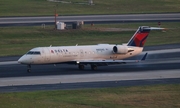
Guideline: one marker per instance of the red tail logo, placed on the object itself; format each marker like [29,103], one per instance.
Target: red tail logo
[139,38]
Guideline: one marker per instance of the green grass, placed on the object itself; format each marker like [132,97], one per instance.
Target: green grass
[157,96]
[44,7]
[18,40]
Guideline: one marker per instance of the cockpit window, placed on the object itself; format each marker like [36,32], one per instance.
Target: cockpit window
[33,53]
[30,52]
[37,53]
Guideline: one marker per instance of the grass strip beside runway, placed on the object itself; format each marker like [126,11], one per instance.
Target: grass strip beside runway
[77,7]
[18,40]
[156,96]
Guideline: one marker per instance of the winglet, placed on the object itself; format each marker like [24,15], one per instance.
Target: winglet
[144,57]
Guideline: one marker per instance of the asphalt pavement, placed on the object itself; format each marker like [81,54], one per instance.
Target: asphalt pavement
[88,19]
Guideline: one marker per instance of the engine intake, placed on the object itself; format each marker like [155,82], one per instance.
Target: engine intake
[120,49]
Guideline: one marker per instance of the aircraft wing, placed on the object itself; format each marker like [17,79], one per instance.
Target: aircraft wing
[109,62]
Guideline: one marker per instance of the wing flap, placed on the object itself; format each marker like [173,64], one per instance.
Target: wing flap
[106,62]
[109,62]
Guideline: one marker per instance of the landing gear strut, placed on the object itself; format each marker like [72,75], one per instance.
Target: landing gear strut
[93,67]
[81,67]
[28,68]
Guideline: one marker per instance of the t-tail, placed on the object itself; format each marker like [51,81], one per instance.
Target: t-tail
[140,36]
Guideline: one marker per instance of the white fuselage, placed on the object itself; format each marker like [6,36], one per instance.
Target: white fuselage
[61,54]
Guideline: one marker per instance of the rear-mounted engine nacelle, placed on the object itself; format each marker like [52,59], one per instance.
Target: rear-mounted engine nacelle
[120,49]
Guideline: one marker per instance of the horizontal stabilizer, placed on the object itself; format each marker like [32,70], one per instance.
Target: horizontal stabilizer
[154,28]
[144,57]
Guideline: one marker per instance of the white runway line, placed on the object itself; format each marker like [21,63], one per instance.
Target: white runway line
[163,51]
[9,62]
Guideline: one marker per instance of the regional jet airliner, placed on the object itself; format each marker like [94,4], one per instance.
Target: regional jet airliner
[93,55]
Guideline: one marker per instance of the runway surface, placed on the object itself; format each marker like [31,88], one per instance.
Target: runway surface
[104,84]
[15,21]
[161,67]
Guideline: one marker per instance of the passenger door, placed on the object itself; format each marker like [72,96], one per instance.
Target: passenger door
[46,54]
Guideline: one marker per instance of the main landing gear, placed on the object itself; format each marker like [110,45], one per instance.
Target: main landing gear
[28,68]
[93,67]
[81,67]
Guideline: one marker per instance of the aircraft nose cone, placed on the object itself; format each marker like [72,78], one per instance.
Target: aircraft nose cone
[22,60]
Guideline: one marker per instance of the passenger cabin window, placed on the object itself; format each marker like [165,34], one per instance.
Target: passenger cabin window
[33,53]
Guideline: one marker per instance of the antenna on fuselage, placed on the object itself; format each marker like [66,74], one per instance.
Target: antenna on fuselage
[76,44]
[50,46]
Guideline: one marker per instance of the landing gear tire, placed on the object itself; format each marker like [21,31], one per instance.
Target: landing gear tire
[81,67]
[93,67]
[29,68]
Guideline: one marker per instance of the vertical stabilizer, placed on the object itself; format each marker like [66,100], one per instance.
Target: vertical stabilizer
[140,36]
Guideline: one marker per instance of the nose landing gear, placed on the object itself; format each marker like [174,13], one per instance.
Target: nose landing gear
[28,68]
